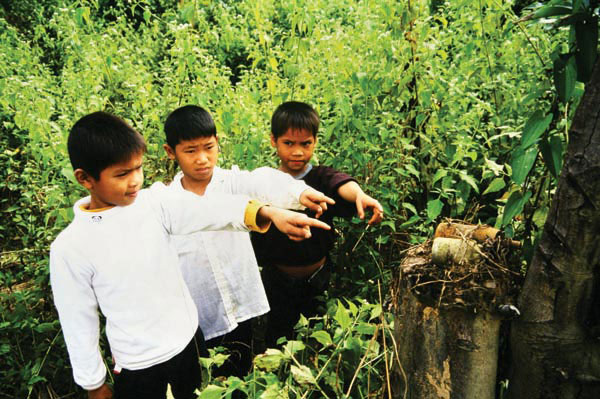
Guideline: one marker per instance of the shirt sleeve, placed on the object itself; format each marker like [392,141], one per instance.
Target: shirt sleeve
[77,307]
[329,180]
[270,186]
[183,212]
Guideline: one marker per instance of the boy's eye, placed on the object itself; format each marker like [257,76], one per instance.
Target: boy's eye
[189,151]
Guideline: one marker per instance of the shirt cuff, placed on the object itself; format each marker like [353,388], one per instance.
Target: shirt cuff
[250,216]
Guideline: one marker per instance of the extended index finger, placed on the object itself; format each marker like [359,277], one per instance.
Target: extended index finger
[315,223]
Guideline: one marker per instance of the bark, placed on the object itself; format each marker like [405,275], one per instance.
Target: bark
[555,344]
[444,353]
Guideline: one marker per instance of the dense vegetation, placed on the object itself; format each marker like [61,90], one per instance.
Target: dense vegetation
[439,109]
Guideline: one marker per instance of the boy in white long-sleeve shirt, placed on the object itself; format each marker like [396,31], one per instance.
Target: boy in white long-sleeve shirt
[220,268]
[117,256]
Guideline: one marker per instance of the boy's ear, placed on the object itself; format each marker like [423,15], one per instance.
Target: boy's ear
[273,141]
[83,178]
[170,151]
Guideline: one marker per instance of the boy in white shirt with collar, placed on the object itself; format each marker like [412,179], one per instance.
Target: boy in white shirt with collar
[116,256]
[220,268]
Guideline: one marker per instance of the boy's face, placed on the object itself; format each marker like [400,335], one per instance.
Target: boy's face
[118,184]
[295,149]
[196,157]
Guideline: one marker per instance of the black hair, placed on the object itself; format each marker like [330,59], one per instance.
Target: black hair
[187,123]
[294,115]
[99,140]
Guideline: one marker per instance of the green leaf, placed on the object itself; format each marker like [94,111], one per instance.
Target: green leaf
[302,375]
[434,208]
[273,392]
[522,163]
[565,75]
[552,154]
[45,327]
[270,360]
[438,175]
[292,347]
[496,185]
[376,312]
[534,128]
[212,392]
[322,337]
[342,316]
[410,207]
[469,180]
[551,11]
[514,206]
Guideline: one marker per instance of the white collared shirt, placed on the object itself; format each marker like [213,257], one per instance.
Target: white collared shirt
[120,260]
[219,267]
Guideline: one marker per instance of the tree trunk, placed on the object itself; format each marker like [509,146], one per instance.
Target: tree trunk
[555,344]
[445,353]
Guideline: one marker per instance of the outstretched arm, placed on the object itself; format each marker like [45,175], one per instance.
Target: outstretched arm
[295,225]
[352,192]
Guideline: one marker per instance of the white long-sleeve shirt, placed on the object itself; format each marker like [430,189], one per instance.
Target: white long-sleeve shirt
[121,260]
[219,267]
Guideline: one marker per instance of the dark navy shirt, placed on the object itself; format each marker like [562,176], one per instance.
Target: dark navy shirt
[275,248]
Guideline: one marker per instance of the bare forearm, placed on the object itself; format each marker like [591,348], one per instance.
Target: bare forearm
[350,191]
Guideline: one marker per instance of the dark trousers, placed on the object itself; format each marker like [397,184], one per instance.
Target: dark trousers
[239,345]
[182,372]
[289,297]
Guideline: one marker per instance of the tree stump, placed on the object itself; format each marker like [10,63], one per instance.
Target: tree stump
[447,327]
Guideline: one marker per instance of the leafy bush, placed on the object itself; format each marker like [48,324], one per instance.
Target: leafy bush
[424,102]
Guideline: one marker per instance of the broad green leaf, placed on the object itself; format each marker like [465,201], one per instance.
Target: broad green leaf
[342,316]
[274,391]
[322,337]
[565,75]
[514,206]
[552,154]
[522,163]
[352,308]
[551,11]
[469,180]
[496,185]
[376,312]
[270,360]
[493,166]
[434,208]
[292,347]
[410,207]
[411,169]
[438,175]
[534,128]
[212,392]
[302,375]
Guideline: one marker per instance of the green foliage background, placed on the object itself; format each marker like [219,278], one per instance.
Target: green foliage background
[424,102]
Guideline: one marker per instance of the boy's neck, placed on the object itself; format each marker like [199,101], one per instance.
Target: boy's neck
[195,186]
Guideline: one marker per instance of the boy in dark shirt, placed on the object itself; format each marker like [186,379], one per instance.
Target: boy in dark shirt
[295,273]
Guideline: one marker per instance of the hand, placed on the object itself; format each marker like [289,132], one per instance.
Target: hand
[363,201]
[295,225]
[315,201]
[104,392]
